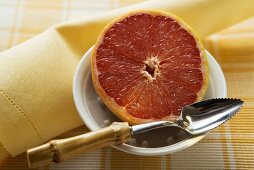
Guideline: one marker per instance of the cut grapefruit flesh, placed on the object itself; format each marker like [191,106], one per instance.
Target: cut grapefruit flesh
[147,65]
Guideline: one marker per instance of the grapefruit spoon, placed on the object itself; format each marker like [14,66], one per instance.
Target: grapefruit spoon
[147,65]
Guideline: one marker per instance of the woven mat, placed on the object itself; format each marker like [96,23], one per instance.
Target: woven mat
[229,147]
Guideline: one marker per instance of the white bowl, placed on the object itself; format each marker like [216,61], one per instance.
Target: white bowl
[158,142]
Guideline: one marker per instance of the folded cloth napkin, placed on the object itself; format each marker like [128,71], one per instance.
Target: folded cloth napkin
[36,76]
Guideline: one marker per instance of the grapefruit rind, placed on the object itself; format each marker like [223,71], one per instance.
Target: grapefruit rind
[121,112]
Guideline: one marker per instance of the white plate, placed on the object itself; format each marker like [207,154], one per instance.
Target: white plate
[158,142]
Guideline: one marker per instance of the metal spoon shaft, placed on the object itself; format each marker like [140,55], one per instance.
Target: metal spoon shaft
[150,126]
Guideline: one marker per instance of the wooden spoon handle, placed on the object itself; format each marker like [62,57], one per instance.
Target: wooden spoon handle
[62,149]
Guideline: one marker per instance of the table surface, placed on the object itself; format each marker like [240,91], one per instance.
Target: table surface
[228,147]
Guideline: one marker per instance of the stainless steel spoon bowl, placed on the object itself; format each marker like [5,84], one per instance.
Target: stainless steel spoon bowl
[200,117]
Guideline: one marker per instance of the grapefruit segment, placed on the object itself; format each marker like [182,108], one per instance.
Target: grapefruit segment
[147,65]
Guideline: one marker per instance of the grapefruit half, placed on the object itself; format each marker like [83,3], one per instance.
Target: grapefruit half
[147,65]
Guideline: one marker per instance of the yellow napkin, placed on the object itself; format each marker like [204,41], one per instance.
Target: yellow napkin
[36,77]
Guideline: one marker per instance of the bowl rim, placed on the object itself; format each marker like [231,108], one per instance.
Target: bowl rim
[78,80]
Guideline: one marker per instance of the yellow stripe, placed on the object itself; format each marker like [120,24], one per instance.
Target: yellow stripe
[224,150]
[168,162]
[121,160]
[103,158]
[13,25]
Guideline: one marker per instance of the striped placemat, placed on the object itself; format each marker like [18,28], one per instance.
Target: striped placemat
[229,147]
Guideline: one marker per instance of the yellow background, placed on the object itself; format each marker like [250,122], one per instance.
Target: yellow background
[230,146]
